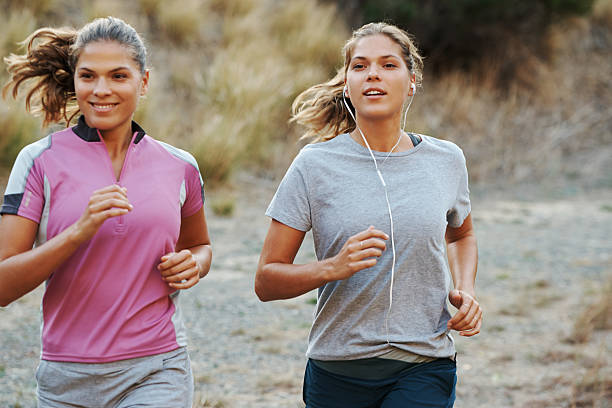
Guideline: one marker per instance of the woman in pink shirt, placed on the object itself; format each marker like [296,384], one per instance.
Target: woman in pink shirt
[117,221]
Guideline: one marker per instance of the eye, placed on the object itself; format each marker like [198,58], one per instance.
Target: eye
[85,75]
[358,66]
[119,75]
[390,65]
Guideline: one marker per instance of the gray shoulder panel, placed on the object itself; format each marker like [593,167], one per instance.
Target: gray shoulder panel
[23,165]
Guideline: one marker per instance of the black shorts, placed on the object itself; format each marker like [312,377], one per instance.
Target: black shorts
[420,385]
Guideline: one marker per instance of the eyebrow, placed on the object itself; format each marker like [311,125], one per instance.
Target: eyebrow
[112,70]
[359,57]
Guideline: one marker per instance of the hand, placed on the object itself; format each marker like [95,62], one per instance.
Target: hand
[352,257]
[468,318]
[180,270]
[110,201]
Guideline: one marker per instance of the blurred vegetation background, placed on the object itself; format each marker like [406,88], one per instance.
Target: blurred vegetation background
[522,86]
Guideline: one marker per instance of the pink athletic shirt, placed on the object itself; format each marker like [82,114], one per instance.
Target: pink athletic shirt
[107,302]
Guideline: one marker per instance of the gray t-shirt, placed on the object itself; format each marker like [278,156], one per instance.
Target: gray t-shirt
[332,187]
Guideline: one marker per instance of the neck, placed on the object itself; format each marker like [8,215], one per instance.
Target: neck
[117,140]
[381,135]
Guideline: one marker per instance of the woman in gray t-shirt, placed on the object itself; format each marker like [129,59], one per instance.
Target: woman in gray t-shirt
[386,209]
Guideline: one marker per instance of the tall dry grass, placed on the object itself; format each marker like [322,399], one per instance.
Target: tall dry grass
[18,128]
[553,121]
[235,86]
[224,74]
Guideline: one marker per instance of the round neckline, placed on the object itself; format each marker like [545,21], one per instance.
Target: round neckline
[364,150]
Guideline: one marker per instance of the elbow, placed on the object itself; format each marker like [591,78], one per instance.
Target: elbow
[262,295]
[261,288]
[261,292]
[5,301]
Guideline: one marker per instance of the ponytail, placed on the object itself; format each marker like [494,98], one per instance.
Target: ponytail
[321,110]
[46,73]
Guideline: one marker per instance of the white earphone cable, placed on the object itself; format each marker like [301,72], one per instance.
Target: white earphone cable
[388,204]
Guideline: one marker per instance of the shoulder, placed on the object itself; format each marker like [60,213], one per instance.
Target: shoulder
[173,152]
[320,151]
[31,152]
[444,148]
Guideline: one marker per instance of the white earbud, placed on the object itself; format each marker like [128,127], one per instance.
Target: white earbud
[413,87]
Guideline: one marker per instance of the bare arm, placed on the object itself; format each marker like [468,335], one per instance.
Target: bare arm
[22,268]
[278,278]
[191,261]
[463,260]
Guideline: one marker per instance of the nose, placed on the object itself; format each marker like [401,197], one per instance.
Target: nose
[101,87]
[373,72]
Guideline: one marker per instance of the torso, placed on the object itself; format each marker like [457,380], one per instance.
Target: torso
[107,301]
[344,196]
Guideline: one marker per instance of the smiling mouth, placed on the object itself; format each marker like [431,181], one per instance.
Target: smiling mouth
[374,92]
[102,107]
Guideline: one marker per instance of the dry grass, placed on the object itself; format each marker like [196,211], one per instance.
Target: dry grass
[593,389]
[224,206]
[237,88]
[595,316]
[602,11]
[533,297]
[557,106]
[18,127]
[290,381]
[201,402]
[226,71]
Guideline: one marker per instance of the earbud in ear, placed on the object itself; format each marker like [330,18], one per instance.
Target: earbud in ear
[413,87]
[345,91]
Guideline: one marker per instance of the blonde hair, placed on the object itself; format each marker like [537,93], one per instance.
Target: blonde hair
[46,70]
[320,108]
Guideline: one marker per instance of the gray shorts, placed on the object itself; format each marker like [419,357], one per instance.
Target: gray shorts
[162,380]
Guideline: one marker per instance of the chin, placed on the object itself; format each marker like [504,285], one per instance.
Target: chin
[103,123]
[378,115]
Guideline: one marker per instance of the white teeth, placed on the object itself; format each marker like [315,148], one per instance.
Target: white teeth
[103,107]
[374,93]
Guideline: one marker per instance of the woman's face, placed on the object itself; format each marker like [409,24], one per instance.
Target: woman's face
[108,84]
[378,79]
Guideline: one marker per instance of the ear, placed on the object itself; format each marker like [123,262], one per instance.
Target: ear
[144,86]
[345,91]
[412,90]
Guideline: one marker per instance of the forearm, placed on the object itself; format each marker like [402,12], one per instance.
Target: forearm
[21,273]
[463,262]
[275,281]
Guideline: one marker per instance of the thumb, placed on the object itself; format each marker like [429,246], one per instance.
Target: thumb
[167,256]
[454,296]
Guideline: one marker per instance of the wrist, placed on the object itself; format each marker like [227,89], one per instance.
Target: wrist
[74,235]
[467,289]
[326,268]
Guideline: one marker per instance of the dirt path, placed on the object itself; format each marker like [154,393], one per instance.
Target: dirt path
[542,262]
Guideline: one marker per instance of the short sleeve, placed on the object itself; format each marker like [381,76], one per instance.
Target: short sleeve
[24,194]
[194,191]
[290,204]
[461,207]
